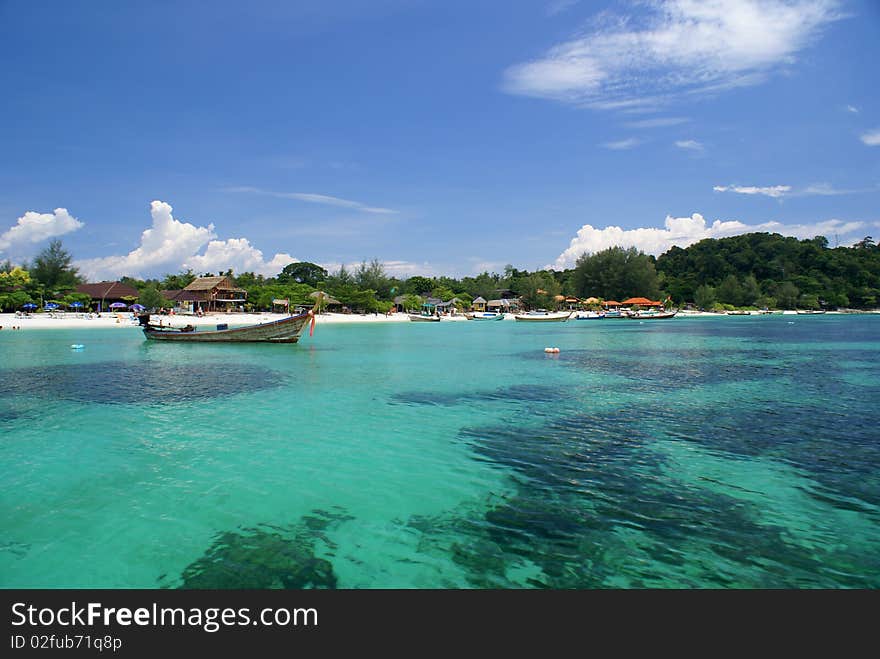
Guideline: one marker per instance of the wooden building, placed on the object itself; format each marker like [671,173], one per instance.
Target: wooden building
[213,294]
[105,293]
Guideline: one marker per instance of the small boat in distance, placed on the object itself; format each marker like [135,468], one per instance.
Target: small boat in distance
[810,312]
[652,315]
[543,316]
[423,318]
[486,315]
[286,330]
[589,315]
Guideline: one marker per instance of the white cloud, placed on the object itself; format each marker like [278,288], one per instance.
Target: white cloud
[238,254]
[852,108]
[404,269]
[313,198]
[828,190]
[872,137]
[681,47]
[684,231]
[774,191]
[622,145]
[689,145]
[659,122]
[33,227]
[169,244]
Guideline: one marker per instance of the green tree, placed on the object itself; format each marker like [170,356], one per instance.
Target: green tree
[418,285]
[538,290]
[14,300]
[151,298]
[52,268]
[787,295]
[729,291]
[413,302]
[372,275]
[302,272]
[13,278]
[615,274]
[443,293]
[750,291]
[177,282]
[704,297]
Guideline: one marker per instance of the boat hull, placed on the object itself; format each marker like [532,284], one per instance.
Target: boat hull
[424,319]
[487,316]
[654,316]
[286,330]
[549,318]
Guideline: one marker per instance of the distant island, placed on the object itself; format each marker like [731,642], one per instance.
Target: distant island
[749,271]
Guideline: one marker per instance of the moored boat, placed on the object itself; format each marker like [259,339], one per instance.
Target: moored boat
[486,315]
[589,315]
[423,318]
[286,330]
[652,315]
[542,316]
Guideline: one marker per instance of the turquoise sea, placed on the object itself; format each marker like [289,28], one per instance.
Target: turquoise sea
[739,452]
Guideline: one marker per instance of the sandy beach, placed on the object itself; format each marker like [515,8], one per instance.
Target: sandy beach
[126,320]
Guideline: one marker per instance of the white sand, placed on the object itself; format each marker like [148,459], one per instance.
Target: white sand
[124,320]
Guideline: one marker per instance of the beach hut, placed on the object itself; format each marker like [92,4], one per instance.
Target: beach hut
[216,294]
[325,300]
[642,302]
[104,293]
[479,304]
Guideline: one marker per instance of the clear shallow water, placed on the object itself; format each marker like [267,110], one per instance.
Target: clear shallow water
[737,452]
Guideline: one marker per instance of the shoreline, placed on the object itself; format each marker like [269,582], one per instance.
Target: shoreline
[125,320]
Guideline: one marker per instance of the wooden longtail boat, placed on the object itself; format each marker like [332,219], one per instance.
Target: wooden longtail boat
[660,315]
[286,330]
[543,316]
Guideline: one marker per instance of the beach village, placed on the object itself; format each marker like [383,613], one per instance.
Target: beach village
[205,299]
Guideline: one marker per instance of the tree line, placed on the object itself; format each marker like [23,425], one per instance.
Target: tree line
[754,270]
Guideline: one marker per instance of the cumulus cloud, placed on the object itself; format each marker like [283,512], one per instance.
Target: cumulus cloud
[872,137]
[678,48]
[774,191]
[313,198]
[238,254]
[852,108]
[689,145]
[684,231]
[33,227]
[170,244]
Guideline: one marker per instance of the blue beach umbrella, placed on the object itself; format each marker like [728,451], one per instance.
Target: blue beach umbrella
[29,305]
[51,306]
[118,305]
[138,307]
[76,305]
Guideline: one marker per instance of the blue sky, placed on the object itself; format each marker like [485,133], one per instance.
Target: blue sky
[440,137]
